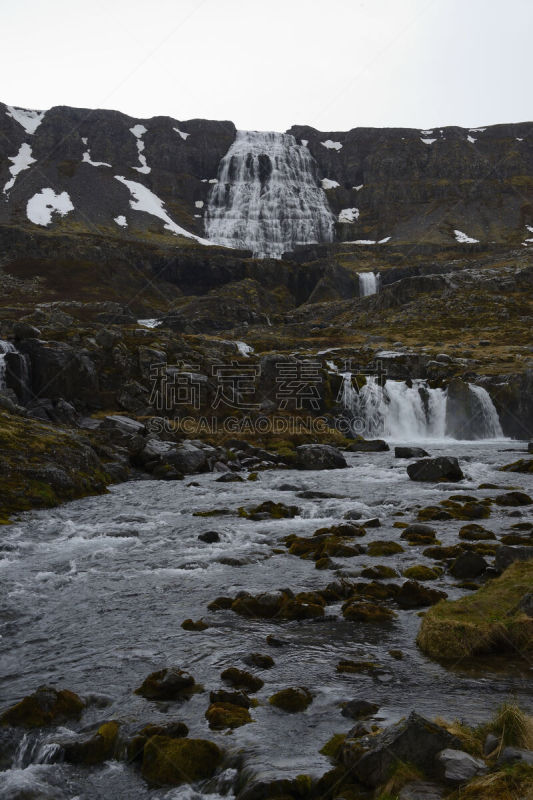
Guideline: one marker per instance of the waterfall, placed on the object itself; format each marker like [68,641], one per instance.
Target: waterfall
[5,347]
[267,198]
[489,426]
[368,283]
[410,412]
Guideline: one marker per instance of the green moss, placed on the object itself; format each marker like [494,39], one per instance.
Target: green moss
[175,761]
[421,573]
[487,621]
[45,707]
[367,612]
[332,747]
[227,715]
[191,625]
[384,548]
[292,700]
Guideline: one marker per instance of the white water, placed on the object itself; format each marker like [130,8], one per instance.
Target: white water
[410,413]
[268,198]
[5,347]
[368,283]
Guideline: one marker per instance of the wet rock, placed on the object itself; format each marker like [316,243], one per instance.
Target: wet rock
[415,740]
[367,612]
[170,683]
[171,730]
[229,477]
[468,565]
[420,572]
[92,749]
[319,456]
[173,762]
[373,522]
[359,709]
[418,533]
[475,533]
[506,555]
[46,706]
[460,767]
[357,667]
[235,698]
[292,700]
[210,537]
[259,660]
[220,604]
[491,743]
[413,595]
[434,513]
[369,446]
[378,572]
[513,499]
[384,548]
[241,679]
[409,452]
[269,510]
[275,641]
[194,625]
[443,468]
[226,715]
[353,514]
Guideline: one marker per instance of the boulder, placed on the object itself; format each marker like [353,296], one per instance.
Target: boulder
[416,740]
[94,748]
[409,452]
[23,330]
[369,446]
[468,565]
[442,468]
[173,762]
[513,499]
[292,700]
[166,684]
[240,679]
[514,755]
[210,537]
[458,766]
[414,595]
[506,555]
[359,709]
[421,790]
[46,706]
[319,456]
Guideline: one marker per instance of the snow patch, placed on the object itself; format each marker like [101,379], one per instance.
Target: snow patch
[86,158]
[145,200]
[30,120]
[42,205]
[244,349]
[121,220]
[199,203]
[462,238]
[358,188]
[477,130]
[305,142]
[427,133]
[349,215]
[428,141]
[384,241]
[329,184]
[183,135]
[331,145]
[139,131]
[518,139]
[23,160]
[150,323]
[471,139]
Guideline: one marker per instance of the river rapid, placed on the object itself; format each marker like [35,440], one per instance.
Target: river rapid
[93,594]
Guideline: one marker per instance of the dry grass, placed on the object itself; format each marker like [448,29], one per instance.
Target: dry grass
[513,726]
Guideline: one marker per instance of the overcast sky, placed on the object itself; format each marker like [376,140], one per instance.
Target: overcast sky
[268,64]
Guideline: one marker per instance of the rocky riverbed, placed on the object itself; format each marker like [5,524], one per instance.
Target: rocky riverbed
[94,594]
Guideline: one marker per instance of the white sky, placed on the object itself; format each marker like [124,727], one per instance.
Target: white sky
[267,64]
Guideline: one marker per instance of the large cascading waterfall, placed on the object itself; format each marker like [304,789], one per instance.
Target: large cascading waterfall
[369,283]
[268,198]
[411,411]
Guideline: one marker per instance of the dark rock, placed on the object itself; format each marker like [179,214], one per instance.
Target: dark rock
[229,477]
[23,330]
[210,537]
[468,565]
[235,698]
[409,452]
[414,595]
[369,446]
[506,555]
[352,514]
[89,749]
[166,684]
[259,660]
[292,700]
[415,740]
[176,761]
[491,743]
[319,456]
[515,755]
[371,523]
[443,468]
[46,706]
[513,499]
[358,709]
[421,790]
[241,679]
[459,767]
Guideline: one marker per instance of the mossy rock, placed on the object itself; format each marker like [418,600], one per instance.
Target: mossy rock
[357,667]
[259,660]
[241,679]
[474,533]
[488,621]
[344,530]
[368,612]
[227,715]
[468,510]
[433,514]
[176,761]
[292,700]
[333,746]
[93,749]
[47,706]
[270,509]
[378,572]
[523,465]
[191,625]
[170,683]
[384,548]
[419,572]
[220,604]
[172,730]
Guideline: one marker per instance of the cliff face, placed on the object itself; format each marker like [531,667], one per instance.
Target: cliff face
[416,185]
[81,152]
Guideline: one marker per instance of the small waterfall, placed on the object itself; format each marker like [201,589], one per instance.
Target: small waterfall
[268,198]
[368,283]
[5,347]
[410,412]
[489,422]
